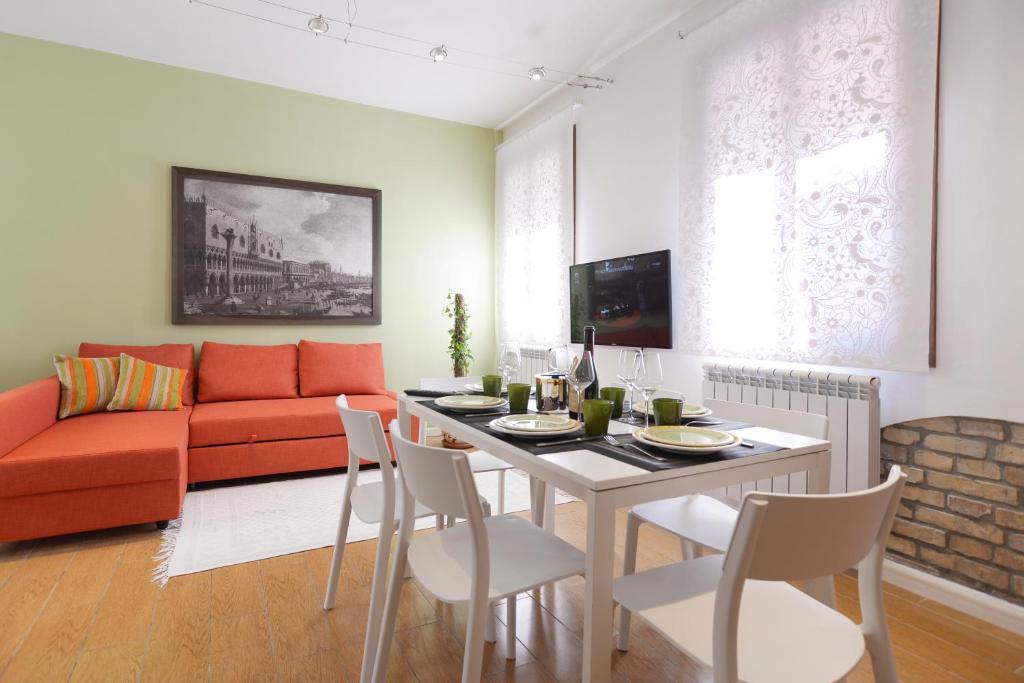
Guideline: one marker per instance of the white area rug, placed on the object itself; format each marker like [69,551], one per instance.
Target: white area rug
[235,524]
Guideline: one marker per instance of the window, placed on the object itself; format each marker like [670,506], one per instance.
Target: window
[806,199]
[534,240]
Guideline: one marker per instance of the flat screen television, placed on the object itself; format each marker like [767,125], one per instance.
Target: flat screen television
[627,299]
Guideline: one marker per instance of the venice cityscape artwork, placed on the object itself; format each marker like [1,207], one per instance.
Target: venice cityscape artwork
[250,249]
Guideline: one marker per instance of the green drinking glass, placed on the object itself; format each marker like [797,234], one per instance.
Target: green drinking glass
[518,397]
[616,395]
[492,385]
[596,414]
[667,411]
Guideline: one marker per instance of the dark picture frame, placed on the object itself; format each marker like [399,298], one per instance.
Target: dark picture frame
[232,269]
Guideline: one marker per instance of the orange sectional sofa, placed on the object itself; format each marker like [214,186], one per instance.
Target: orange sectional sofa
[257,410]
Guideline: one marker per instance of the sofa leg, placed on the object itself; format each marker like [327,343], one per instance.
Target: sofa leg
[162,524]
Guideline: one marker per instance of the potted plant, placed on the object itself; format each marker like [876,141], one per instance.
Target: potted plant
[458,351]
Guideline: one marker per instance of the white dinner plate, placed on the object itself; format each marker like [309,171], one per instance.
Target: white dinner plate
[538,423]
[493,424]
[470,403]
[691,450]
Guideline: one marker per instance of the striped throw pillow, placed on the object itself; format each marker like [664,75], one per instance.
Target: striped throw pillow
[142,385]
[86,384]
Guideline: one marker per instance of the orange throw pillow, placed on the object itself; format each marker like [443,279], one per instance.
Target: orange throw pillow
[242,372]
[147,386]
[173,355]
[327,369]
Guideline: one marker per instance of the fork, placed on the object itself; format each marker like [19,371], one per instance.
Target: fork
[615,442]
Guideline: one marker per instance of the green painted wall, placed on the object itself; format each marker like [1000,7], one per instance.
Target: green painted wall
[87,141]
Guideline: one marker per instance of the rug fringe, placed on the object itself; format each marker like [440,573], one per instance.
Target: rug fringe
[168,540]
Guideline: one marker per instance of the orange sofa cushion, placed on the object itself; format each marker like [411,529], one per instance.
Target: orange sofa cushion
[327,369]
[241,372]
[99,449]
[27,410]
[236,422]
[172,355]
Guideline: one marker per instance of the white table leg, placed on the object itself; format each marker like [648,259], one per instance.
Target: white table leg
[549,508]
[597,606]
[405,422]
[819,481]
[538,491]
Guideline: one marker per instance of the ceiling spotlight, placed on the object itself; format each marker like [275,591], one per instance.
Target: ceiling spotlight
[319,25]
[536,73]
[438,54]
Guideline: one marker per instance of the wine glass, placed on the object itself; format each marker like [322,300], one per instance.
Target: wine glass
[581,376]
[558,358]
[509,361]
[626,374]
[648,378]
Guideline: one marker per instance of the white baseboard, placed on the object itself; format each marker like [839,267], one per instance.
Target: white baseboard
[981,605]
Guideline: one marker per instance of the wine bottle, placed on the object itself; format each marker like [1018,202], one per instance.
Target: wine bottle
[589,332]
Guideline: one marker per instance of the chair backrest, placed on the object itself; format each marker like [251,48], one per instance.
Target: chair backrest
[805,424]
[447,383]
[809,536]
[439,478]
[783,537]
[364,434]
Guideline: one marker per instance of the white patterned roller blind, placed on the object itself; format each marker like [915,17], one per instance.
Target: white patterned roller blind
[534,240]
[807,180]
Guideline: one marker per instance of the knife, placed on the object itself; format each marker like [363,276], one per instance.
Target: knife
[561,442]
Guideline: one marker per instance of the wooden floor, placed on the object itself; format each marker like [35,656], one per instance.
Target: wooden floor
[83,608]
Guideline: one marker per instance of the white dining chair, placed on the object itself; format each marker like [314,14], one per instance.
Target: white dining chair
[708,520]
[372,502]
[479,461]
[737,614]
[478,563]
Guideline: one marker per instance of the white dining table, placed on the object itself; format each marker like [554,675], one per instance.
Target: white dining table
[606,484]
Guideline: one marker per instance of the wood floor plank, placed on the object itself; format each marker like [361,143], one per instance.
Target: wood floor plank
[126,611]
[179,641]
[533,672]
[324,666]
[240,649]
[237,592]
[50,650]
[26,593]
[88,574]
[299,627]
[120,664]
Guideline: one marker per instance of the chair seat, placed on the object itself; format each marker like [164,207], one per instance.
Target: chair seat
[703,519]
[366,502]
[522,556]
[784,635]
[482,461]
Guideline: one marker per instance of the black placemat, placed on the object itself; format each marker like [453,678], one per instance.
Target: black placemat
[626,455]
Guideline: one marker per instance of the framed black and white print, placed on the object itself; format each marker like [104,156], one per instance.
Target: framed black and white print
[251,249]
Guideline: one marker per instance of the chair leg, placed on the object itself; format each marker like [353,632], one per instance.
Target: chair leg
[491,627]
[387,627]
[628,567]
[688,548]
[339,553]
[439,522]
[501,492]
[378,590]
[473,655]
[510,627]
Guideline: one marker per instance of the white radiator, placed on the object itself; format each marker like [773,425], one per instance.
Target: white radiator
[533,361]
[849,401]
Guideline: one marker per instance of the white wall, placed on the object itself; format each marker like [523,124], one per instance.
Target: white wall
[627,202]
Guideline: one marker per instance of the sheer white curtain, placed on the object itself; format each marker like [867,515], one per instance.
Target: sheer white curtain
[807,180]
[534,240]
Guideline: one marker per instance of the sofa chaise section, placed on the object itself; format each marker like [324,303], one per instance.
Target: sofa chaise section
[89,471]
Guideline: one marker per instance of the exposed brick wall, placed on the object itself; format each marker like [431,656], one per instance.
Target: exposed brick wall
[962,513]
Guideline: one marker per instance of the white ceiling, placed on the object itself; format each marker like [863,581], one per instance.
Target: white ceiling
[562,34]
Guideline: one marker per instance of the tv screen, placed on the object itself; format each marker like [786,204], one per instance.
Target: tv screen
[627,299]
